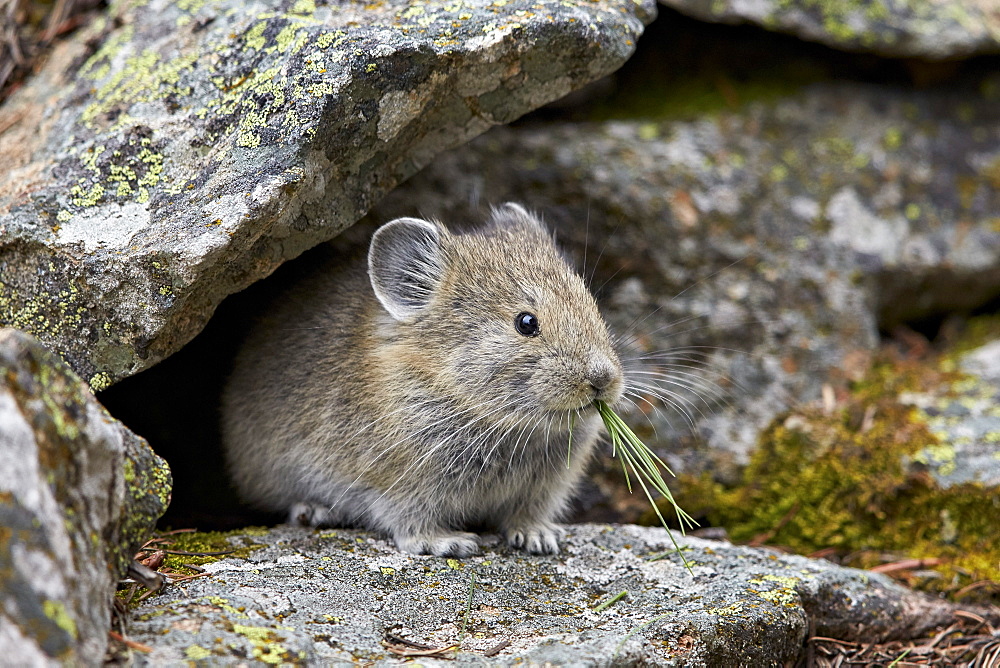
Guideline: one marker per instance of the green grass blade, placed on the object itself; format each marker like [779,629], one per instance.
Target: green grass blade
[656,509]
[645,465]
[611,601]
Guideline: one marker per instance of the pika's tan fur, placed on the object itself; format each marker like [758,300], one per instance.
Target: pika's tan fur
[405,400]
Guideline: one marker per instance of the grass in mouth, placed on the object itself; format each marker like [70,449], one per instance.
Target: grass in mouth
[645,466]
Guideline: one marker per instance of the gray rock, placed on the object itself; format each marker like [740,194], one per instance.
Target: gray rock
[79,494]
[332,597]
[910,28]
[185,150]
[964,414]
[761,249]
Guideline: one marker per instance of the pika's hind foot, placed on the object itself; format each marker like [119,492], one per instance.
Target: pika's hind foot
[535,538]
[456,544]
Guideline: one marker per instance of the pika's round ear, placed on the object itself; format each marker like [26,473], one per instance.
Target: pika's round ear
[512,214]
[405,265]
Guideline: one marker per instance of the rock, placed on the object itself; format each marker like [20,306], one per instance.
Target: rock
[335,596]
[963,412]
[762,249]
[913,28]
[79,494]
[186,150]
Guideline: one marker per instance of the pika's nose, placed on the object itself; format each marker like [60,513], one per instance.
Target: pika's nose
[602,375]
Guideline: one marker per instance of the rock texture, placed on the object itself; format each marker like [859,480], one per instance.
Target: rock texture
[328,597]
[964,414]
[932,29]
[761,250]
[79,494]
[187,149]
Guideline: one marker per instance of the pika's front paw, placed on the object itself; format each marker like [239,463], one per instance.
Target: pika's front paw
[457,544]
[309,515]
[536,539]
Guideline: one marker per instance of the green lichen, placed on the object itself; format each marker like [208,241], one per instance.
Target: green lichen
[56,611]
[254,38]
[224,604]
[291,39]
[99,382]
[124,173]
[893,139]
[98,65]
[875,24]
[197,653]
[784,595]
[162,484]
[266,644]
[846,480]
[128,472]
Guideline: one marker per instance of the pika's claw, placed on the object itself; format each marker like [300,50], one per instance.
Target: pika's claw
[538,539]
[457,544]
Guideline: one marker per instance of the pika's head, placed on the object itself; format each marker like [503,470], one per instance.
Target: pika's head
[498,312]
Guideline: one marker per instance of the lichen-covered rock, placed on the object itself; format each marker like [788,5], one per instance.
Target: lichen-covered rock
[342,596]
[759,250]
[963,412]
[79,493]
[932,29]
[187,149]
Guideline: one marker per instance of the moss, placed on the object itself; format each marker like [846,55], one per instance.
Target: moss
[236,544]
[703,94]
[848,480]
[977,332]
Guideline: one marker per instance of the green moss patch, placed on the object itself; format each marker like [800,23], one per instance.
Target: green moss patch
[850,481]
[187,549]
[209,546]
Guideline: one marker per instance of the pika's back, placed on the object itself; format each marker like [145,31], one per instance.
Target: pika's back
[413,398]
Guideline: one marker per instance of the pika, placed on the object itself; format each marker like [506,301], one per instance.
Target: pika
[446,383]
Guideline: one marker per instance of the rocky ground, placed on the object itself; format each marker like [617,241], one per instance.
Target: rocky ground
[617,595]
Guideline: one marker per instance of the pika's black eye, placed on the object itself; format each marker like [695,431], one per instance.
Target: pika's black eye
[526,324]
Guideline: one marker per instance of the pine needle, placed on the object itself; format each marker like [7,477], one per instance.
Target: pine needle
[645,465]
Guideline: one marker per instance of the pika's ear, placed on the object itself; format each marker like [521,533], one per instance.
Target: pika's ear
[512,214]
[405,265]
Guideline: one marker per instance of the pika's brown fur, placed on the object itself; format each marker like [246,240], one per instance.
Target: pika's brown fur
[406,399]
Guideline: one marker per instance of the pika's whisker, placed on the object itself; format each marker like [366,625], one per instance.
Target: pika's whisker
[678,402]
